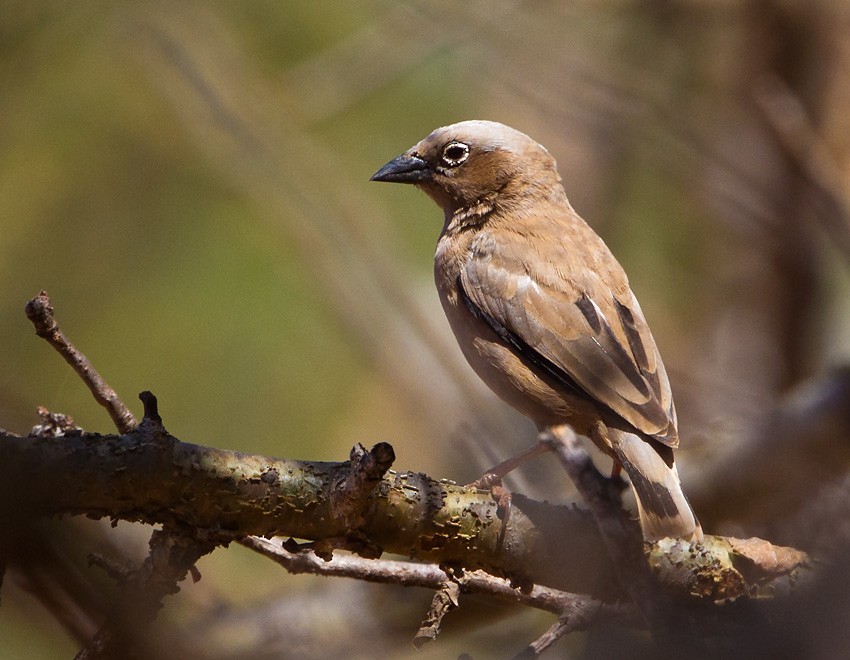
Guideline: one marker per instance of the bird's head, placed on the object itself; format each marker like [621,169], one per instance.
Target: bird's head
[471,162]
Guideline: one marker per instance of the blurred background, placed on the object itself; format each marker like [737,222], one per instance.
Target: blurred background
[189,182]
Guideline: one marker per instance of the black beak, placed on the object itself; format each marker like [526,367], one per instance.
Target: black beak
[404,169]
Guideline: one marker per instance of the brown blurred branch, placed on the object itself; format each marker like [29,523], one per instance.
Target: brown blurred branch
[172,556]
[784,115]
[754,487]
[622,542]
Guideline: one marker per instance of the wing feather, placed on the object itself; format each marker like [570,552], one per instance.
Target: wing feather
[586,338]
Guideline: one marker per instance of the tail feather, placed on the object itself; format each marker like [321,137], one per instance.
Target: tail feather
[663,508]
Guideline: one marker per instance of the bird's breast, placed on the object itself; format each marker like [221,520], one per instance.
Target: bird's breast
[452,253]
[496,363]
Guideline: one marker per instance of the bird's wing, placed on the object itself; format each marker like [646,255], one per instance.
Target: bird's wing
[588,336]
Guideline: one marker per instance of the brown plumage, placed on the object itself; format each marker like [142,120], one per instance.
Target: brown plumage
[543,311]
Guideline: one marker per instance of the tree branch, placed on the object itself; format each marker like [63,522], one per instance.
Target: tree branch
[578,610]
[155,478]
[173,554]
[39,310]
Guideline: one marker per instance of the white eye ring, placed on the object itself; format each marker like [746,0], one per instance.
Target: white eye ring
[454,153]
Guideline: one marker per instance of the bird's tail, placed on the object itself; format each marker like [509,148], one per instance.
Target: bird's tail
[662,506]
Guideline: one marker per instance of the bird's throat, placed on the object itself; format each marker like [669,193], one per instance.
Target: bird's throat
[470,215]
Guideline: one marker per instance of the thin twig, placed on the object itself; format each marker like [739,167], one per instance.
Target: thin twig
[446,599]
[576,612]
[40,311]
[432,576]
[565,624]
[42,568]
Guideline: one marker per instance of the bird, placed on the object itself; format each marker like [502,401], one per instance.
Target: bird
[542,310]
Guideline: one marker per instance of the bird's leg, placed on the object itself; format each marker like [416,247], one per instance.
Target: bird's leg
[493,476]
[599,435]
[492,480]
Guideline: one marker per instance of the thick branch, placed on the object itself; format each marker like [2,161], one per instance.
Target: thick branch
[155,478]
[163,480]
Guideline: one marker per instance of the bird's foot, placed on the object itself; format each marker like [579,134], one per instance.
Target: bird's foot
[492,482]
[487,481]
[503,498]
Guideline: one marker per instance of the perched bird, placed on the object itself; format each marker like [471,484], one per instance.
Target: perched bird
[543,311]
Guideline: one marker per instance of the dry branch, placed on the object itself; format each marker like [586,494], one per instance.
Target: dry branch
[172,556]
[40,311]
[582,609]
[155,478]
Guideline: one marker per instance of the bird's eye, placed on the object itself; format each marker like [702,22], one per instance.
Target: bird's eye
[454,153]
